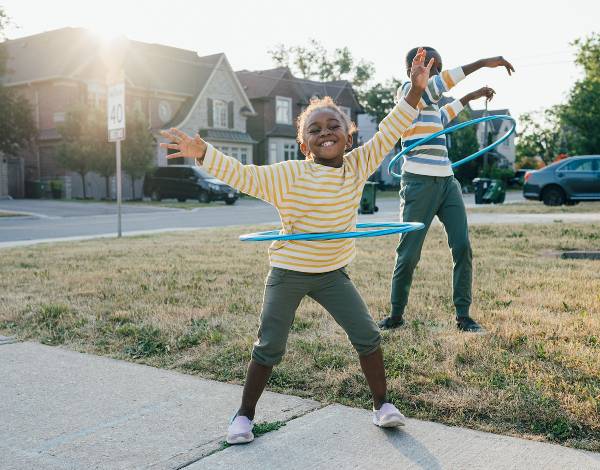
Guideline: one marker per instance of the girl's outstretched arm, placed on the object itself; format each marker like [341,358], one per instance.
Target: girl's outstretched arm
[369,156]
[268,182]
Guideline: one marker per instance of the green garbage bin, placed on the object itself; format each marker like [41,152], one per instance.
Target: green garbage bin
[368,199]
[495,193]
[34,189]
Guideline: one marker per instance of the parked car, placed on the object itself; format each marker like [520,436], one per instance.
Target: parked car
[518,179]
[566,182]
[187,182]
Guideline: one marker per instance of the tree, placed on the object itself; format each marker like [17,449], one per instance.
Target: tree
[84,142]
[17,127]
[378,100]
[541,135]
[315,62]
[580,115]
[138,148]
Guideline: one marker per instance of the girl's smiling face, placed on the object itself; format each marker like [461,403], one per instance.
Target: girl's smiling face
[326,138]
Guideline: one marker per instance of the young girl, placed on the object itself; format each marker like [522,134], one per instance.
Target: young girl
[319,194]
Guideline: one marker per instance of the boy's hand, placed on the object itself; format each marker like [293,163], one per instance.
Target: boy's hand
[187,146]
[493,62]
[419,77]
[484,91]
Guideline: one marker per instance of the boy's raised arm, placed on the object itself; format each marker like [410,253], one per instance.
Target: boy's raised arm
[490,62]
[268,182]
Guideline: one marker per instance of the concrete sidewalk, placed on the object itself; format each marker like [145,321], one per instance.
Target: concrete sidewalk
[65,410]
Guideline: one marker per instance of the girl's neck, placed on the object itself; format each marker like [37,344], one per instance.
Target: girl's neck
[333,163]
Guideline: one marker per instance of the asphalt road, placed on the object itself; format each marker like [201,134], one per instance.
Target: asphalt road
[48,220]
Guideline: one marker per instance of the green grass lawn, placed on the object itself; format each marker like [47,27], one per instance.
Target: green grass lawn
[190,302]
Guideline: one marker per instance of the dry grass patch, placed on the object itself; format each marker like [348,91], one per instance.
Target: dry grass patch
[190,301]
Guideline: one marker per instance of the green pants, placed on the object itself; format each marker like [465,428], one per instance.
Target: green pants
[284,289]
[421,198]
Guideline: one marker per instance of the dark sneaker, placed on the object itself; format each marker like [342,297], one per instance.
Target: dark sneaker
[389,323]
[469,325]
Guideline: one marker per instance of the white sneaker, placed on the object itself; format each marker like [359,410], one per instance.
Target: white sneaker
[388,416]
[240,430]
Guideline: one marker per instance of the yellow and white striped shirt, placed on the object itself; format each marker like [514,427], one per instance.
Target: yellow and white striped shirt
[314,198]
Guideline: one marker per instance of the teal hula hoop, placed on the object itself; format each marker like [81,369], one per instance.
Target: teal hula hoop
[385,228]
[452,129]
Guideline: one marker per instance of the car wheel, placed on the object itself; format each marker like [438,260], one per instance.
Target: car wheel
[203,197]
[553,196]
[181,199]
[155,196]
[230,202]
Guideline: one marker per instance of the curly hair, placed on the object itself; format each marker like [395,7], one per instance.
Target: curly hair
[317,104]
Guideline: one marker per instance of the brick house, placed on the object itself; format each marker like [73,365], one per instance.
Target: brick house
[278,98]
[171,86]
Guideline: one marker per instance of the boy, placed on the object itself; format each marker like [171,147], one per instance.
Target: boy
[428,188]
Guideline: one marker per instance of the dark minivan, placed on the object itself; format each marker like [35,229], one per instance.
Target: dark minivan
[568,182]
[183,182]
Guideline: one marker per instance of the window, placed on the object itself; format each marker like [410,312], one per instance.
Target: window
[579,165]
[220,113]
[347,111]
[273,152]
[283,110]
[59,117]
[239,153]
[290,151]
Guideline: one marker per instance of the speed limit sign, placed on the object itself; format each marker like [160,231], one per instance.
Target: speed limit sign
[116,112]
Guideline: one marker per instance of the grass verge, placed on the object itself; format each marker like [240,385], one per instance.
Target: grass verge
[180,301]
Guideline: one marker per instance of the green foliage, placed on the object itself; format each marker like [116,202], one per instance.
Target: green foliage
[581,115]
[588,55]
[16,114]
[315,62]
[378,100]
[573,127]
[138,147]
[84,147]
[541,135]
[144,341]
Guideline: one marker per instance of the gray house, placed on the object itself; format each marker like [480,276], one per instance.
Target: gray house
[495,129]
[278,98]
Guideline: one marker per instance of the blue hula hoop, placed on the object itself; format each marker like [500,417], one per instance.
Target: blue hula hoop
[387,228]
[452,129]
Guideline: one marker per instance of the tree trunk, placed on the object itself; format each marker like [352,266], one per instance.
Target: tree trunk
[83,184]
[132,187]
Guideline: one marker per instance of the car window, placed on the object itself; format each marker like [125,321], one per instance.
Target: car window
[579,165]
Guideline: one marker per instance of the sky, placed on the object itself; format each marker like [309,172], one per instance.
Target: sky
[534,35]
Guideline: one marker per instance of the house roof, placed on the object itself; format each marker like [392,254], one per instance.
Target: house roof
[260,84]
[76,53]
[226,136]
[496,124]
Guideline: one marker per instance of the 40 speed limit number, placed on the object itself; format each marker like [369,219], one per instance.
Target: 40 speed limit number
[116,112]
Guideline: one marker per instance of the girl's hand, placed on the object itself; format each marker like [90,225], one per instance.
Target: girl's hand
[419,72]
[187,146]
[499,61]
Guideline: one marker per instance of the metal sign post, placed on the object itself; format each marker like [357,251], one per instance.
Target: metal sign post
[116,133]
